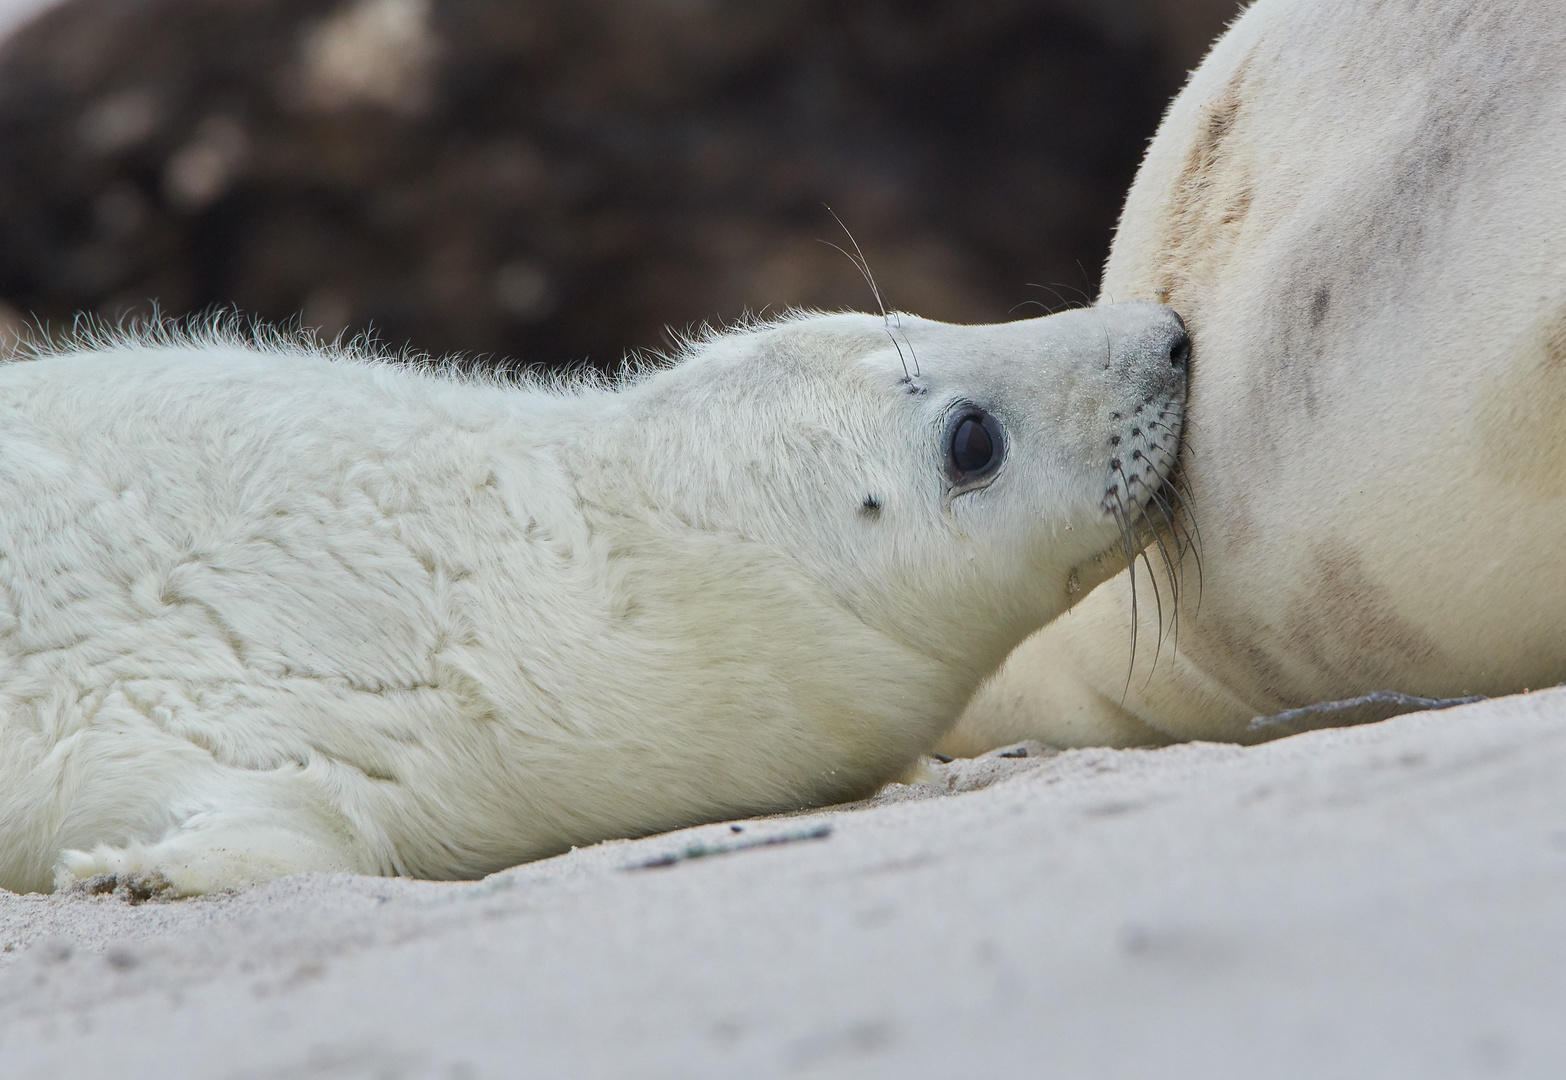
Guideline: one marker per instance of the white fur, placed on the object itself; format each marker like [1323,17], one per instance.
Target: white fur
[1357,207]
[266,611]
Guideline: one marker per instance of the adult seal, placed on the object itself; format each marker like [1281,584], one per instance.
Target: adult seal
[265,611]
[1357,208]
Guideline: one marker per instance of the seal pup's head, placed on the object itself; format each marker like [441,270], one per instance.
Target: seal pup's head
[883,509]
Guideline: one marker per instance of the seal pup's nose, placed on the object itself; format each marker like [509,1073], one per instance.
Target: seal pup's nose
[1179,350]
[1163,338]
[1147,344]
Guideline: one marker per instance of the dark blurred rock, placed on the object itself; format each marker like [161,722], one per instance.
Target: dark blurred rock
[558,179]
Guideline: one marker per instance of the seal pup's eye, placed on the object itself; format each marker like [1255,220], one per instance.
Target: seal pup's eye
[974,446]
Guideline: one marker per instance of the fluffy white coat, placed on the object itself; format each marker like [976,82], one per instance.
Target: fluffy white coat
[264,610]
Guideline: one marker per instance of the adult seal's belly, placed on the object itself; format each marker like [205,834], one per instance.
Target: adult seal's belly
[1357,208]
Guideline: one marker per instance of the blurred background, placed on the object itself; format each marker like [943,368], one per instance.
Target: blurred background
[563,180]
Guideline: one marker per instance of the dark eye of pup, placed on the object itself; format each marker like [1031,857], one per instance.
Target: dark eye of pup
[972,447]
[975,449]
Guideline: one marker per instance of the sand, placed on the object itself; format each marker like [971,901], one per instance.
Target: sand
[1382,901]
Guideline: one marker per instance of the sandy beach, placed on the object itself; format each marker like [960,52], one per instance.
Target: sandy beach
[1378,901]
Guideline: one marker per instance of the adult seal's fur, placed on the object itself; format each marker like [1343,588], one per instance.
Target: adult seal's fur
[263,611]
[1358,209]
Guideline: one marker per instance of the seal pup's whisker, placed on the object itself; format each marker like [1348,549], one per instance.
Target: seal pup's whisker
[1175,580]
[1152,576]
[1185,544]
[1183,499]
[1118,511]
[862,264]
[1086,280]
[1065,304]
[907,341]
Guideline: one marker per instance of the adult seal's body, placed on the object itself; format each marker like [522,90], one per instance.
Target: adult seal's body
[262,611]
[1358,209]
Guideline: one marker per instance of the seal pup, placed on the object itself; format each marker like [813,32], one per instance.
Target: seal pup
[1357,208]
[264,610]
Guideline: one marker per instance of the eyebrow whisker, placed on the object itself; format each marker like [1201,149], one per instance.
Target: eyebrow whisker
[862,264]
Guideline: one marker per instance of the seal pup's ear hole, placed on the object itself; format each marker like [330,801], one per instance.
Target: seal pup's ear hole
[870,508]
